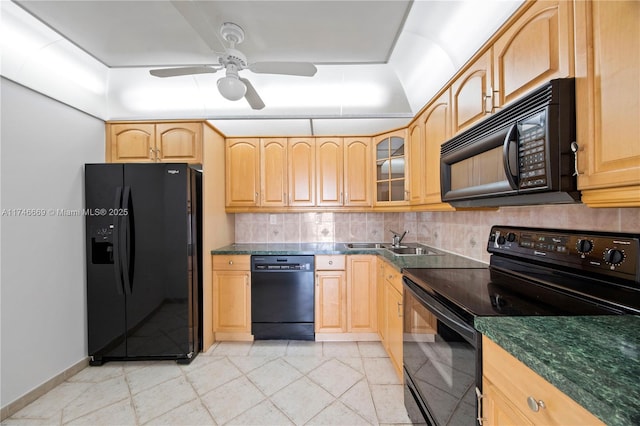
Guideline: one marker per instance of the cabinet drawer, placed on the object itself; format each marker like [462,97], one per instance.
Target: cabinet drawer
[393,276]
[231,262]
[330,262]
[517,382]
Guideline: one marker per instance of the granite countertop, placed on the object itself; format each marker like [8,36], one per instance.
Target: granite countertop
[595,360]
[442,260]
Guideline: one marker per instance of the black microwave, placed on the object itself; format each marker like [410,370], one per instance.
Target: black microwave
[521,155]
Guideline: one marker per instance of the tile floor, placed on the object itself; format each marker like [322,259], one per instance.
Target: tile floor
[234,383]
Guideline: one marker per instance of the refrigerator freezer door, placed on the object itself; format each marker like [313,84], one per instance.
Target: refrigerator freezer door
[105,291]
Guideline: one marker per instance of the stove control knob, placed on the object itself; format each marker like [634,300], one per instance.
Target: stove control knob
[511,237]
[614,256]
[501,240]
[584,246]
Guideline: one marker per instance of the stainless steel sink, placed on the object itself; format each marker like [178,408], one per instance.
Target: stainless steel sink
[411,249]
[365,246]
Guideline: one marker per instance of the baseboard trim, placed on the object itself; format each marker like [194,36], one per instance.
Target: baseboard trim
[13,407]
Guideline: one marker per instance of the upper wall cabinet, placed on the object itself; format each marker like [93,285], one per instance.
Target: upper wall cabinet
[329,166]
[357,172]
[608,102]
[302,171]
[390,169]
[242,172]
[154,142]
[471,93]
[273,172]
[426,135]
[538,47]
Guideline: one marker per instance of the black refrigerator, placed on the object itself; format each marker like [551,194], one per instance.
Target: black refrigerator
[144,252]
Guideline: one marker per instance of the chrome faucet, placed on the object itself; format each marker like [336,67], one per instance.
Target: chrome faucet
[397,237]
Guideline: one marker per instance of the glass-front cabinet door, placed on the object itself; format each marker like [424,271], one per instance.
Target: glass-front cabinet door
[390,168]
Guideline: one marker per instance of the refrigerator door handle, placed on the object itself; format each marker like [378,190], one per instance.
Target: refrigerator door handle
[116,244]
[127,252]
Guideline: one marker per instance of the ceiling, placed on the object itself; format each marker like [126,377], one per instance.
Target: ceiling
[378,61]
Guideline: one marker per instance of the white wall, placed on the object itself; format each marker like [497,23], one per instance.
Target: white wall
[44,145]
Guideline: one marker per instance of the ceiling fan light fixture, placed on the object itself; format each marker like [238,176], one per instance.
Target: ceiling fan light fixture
[231,87]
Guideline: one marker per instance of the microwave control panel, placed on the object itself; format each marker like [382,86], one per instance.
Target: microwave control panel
[532,156]
[612,254]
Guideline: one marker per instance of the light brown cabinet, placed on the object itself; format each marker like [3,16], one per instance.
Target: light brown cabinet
[607,40]
[154,142]
[391,179]
[357,172]
[302,172]
[329,166]
[242,184]
[330,295]
[231,297]
[361,294]
[536,48]
[273,172]
[471,93]
[393,311]
[430,129]
[514,394]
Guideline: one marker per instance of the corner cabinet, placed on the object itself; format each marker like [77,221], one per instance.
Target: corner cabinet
[242,183]
[147,142]
[607,40]
[513,394]
[232,297]
[391,179]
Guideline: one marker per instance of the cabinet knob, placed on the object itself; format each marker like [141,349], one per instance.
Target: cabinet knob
[535,404]
[231,262]
[331,262]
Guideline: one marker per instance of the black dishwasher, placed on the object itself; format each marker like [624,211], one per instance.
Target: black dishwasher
[282,297]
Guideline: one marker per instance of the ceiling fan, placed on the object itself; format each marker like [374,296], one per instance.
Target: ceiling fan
[232,86]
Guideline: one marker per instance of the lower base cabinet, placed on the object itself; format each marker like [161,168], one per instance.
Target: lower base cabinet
[513,394]
[231,297]
[392,311]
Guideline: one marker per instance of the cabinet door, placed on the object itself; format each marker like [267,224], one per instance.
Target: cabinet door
[302,166]
[437,130]
[179,142]
[535,49]
[390,169]
[232,301]
[243,172]
[331,294]
[608,102]
[132,143]
[471,94]
[273,172]
[497,410]
[380,290]
[357,172]
[329,159]
[416,157]
[361,294]
[394,327]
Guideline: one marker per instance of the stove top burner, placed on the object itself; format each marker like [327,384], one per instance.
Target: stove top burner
[542,272]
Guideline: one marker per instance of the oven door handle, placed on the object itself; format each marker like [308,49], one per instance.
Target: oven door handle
[442,312]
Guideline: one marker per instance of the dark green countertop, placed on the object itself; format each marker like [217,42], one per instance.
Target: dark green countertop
[442,260]
[595,360]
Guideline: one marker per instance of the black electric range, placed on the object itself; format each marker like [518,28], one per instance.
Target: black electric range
[532,272]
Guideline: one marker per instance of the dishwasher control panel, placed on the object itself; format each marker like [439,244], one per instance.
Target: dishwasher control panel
[282,263]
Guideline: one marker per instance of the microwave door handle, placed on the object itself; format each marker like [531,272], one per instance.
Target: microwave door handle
[510,156]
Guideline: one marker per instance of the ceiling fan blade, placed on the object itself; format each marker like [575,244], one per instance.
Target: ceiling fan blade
[305,69]
[174,72]
[196,16]
[252,96]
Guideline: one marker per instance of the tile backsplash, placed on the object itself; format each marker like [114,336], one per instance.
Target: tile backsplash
[462,232]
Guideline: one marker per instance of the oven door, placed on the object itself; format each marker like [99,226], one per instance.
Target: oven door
[442,361]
